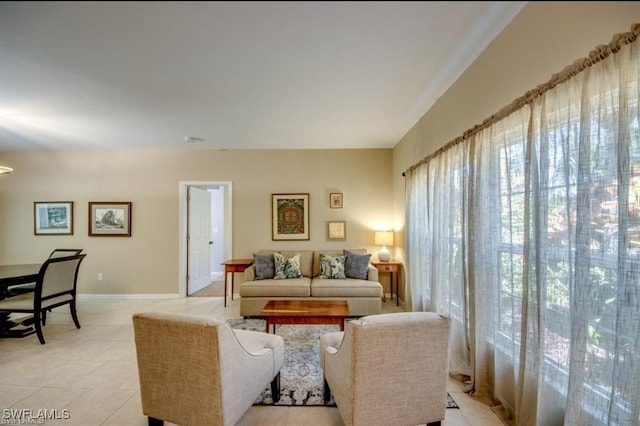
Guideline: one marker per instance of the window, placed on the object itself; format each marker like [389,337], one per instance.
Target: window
[527,232]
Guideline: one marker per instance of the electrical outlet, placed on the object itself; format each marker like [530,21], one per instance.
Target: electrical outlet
[99,276]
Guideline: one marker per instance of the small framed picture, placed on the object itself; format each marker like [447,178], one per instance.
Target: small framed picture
[109,219]
[53,218]
[289,217]
[336,230]
[335,200]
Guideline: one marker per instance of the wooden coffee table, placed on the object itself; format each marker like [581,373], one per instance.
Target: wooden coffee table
[305,312]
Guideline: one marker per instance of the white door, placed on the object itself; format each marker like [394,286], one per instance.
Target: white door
[198,239]
[217,232]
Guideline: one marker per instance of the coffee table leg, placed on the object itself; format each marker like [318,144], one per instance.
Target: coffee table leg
[267,321]
[342,324]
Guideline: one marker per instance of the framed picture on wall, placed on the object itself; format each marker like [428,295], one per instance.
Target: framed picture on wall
[335,200]
[53,218]
[289,217]
[109,219]
[336,230]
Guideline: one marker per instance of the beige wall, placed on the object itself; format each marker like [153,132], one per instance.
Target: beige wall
[543,39]
[148,261]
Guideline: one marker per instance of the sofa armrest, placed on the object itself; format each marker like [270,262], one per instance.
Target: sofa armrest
[250,273]
[372,273]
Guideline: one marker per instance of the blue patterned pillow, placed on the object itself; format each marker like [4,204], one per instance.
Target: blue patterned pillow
[265,266]
[356,265]
[286,268]
[332,267]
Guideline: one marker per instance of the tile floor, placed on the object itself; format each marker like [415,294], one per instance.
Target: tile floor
[92,372]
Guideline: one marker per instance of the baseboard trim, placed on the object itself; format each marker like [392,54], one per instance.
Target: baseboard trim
[128,296]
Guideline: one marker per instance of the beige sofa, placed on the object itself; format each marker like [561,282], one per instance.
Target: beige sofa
[364,296]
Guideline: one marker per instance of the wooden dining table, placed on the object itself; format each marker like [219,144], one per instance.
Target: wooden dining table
[15,275]
[18,274]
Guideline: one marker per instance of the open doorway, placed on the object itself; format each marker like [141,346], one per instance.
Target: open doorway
[205,236]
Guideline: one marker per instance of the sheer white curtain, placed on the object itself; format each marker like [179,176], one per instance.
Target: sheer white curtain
[527,233]
[434,206]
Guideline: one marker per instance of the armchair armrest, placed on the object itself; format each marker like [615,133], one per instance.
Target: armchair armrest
[337,362]
[330,350]
[329,344]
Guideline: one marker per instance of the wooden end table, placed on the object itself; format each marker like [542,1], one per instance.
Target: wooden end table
[305,312]
[232,266]
[392,267]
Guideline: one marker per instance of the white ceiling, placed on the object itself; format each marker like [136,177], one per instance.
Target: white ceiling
[240,75]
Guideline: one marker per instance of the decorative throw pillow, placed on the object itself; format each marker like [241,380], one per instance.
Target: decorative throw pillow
[356,265]
[265,266]
[332,267]
[286,268]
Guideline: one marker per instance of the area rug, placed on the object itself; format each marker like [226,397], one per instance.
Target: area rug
[301,375]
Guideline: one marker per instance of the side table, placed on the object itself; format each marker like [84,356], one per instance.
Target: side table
[232,266]
[392,267]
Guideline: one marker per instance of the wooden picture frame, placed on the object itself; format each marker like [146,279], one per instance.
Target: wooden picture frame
[335,200]
[336,230]
[109,218]
[53,218]
[290,217]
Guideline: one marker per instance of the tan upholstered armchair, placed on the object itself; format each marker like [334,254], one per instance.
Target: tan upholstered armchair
[388,369]
[198,371]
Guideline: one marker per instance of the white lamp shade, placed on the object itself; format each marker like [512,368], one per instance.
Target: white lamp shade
[383,238]
[4,169]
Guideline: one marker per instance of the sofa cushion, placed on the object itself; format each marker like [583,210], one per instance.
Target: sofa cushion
[356,265]
[332,253]
[294,287]
[332,267]
[265,266]
[316,259]
[306,260]
[345,288]
[287,267]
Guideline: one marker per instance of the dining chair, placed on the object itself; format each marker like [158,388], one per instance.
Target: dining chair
[56,286]
[16,290]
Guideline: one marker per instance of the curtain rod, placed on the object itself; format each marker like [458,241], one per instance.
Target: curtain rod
[601,52]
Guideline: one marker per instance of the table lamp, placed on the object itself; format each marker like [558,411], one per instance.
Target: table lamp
[384,239]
